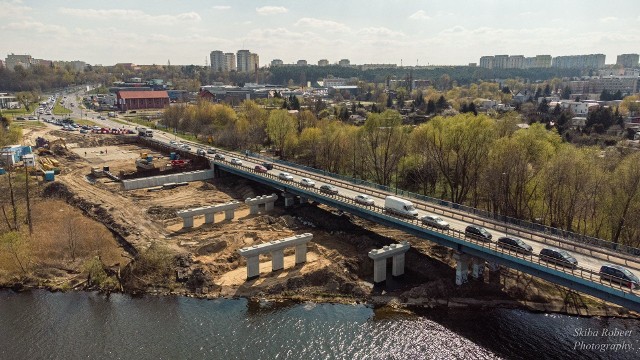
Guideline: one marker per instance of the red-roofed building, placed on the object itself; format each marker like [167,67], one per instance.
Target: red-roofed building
[133,100]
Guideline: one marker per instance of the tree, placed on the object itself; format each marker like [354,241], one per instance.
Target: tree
[625,195]
[441,104]
[566,92]
[547,90]
[383,144]
[281,126]
[459,145]
[431,107]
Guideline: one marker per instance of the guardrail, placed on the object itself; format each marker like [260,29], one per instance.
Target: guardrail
[578,271]
[539,228]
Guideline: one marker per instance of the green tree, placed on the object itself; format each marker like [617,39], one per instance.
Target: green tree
[459,145]
[281,127]
[383,144]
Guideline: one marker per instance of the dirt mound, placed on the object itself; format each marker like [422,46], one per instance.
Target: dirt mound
[211,248]
[56,190]
[161,213]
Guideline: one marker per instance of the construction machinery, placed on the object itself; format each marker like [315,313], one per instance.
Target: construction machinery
[145,162]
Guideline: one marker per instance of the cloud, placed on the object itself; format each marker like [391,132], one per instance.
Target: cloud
[271,10]
[379,32]
[608,19]
[136,15]
[13,9]
[325,25]
[419,15]
[222,7]
[458,29]
[35,26]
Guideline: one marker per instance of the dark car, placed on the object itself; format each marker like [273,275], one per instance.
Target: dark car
[477,232]
[268,166]
[218,156]
[260,169]
[619,275]
[329,189]
[558,257]
[515,244]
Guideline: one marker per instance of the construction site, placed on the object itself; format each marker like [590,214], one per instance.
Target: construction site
[154,252]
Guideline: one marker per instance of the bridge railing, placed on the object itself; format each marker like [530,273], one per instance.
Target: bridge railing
[523,224]
[577,271]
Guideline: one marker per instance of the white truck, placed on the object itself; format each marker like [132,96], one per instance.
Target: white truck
[145,132]
[400,206]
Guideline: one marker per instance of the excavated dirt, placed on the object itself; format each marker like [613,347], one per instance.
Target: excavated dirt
[206,260]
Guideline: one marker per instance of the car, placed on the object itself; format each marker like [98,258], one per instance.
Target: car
[268,166]
[306,182]
[200,152]
[236,161]
[260,169]
[285,176]
[329,189]
[620,275]
[435,221]
[83,131]
[185,147]
[20,118]
[32,118]
[211,150]
[558,257]
[173,142]
[478,233]
[218,157]
[515,244]
[362,199]
[96,128]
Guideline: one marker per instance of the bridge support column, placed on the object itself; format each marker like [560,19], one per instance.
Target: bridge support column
[209,218]
[187,222]
[301,253]
[398,265]
[477,268]
[268,206]
[277,260]
[303,200]
[254,209]
[229,214]
[462,267]
[253,267]
[288,200]
[379,270]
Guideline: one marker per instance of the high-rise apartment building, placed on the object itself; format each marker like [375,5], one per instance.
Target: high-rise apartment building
[591,61]
[277,62]
[247,61]
[323,62]
[515,62]
[628,60]
[486,62]
[230,61]
[302,63]
[542,61]
[13,60]
[218,61]
[500,61]
[344,62]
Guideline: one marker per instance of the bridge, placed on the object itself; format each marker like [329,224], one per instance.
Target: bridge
[584,278]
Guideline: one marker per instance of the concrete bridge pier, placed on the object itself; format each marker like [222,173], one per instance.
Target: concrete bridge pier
[289,200]
[301,253]
[254,209]
[477,268]
[398,265]
[187,222]
[209,218]
[253,267]
[229,214]
[277,259]
[380,256]
[462,267]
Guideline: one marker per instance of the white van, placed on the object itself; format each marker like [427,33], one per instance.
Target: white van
[400,206]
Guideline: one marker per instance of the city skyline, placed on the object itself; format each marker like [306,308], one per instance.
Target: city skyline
[407,32]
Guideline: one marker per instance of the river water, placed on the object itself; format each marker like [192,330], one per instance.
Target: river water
[44,325]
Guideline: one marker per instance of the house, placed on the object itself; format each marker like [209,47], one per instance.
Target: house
[522,97]
[578,122]
[133,100]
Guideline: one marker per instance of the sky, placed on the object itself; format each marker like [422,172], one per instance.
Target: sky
[410,32]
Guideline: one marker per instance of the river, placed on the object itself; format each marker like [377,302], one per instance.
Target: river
[43,325]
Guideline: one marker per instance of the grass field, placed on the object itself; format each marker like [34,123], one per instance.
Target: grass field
[59,109]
